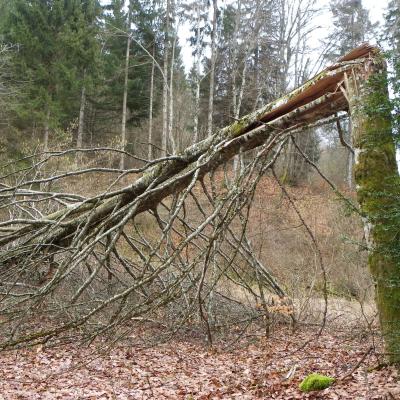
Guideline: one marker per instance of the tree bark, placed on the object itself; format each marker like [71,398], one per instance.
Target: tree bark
[377,180]
[46,131]
[165,82]
[81,122]
[125,96]
[212,69]
[79,139]
[171,137]
[150,132]
[198,61]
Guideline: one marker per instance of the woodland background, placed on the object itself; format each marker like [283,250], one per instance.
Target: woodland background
[81,77]
[89,74]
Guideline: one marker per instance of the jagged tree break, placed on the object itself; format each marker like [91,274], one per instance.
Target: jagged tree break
[165,248]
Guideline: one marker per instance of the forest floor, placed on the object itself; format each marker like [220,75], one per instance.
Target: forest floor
[255,368]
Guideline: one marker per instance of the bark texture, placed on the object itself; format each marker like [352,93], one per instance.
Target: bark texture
[377,180]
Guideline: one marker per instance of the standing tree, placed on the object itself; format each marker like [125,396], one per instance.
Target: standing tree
[212,68]
[128,48]
[352,27]
[125,87]
[196,14]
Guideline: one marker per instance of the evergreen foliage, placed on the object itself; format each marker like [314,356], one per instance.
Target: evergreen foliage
[55,44]
[352,27]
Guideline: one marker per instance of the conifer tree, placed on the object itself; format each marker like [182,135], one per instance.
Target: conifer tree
[56,43]
[392,37]
[352,27]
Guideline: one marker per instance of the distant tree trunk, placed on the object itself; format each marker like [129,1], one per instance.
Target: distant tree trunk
[150,134]
[258,85]
[198,61]
[235,51]
[350,170]
[79,140]
[46,130]
[171,137]
[377,180]
[241,91]
[238,161]
[165,83]
[350,162]
[125,96]
[212,69]
[291,173]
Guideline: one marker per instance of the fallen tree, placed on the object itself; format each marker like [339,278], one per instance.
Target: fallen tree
[80,242]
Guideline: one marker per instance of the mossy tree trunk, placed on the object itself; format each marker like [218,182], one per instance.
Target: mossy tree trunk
[377,180]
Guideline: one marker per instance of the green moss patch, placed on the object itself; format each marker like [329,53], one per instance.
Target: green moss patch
[315,382]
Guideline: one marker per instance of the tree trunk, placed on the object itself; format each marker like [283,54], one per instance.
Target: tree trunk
[165,83]
[46,130]
[125,97]
[197,94]
[212,70]
[79,140]
[171,176]
[376,177]
[150,133]
[171,137]
[350,161]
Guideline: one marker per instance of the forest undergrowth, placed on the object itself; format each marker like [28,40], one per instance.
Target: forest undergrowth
[243,362]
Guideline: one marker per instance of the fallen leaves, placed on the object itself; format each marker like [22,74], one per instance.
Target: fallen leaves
[187,371]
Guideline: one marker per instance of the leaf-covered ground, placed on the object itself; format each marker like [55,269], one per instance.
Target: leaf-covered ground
[255,369]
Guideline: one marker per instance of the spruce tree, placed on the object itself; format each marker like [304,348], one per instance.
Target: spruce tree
[56,41]
[352,27]
[392,26]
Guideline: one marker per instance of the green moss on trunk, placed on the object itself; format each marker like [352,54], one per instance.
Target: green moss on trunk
[377,180]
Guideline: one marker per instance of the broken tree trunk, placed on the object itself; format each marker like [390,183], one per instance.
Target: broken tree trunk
[356,82]
[317,99]
[377,179]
